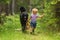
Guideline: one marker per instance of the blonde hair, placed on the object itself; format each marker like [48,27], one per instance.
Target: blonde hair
[35,9]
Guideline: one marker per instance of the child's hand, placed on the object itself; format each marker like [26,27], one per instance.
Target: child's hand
[42,15]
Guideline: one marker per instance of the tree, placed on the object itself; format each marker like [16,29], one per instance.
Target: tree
[13,4]
[57,15]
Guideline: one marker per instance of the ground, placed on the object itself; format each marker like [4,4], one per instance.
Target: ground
[9,32]
[18,35]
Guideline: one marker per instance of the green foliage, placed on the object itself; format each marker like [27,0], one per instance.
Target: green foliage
[11,23]
[2,18]
[5,1]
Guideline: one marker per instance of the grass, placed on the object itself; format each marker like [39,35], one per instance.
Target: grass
[8,31]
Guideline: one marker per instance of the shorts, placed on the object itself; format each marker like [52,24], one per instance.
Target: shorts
[33,24]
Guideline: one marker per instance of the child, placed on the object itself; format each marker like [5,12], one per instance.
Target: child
[33,18]
[23,18]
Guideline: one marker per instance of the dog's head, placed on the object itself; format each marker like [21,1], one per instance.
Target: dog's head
[22,9]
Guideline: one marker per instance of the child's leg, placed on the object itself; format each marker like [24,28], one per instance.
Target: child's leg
[31,27]
[32,30]
[34,26]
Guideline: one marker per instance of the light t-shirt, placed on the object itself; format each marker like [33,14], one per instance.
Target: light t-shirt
[33,17]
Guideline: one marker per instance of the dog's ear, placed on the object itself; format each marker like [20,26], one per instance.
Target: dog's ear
[22,9]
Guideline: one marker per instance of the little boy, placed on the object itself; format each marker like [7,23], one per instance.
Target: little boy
[33,18]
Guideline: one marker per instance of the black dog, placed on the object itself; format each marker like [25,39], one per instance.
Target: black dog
[23,18]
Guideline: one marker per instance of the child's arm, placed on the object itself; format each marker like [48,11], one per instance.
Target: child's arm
[41,16]
[29,19]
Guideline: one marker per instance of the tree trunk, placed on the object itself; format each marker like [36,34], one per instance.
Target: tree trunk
[1,21]
[57,15]
[30,6]
[13,4]
[6,9]
[0,13]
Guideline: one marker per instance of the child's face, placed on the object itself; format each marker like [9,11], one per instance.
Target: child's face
[34,12]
